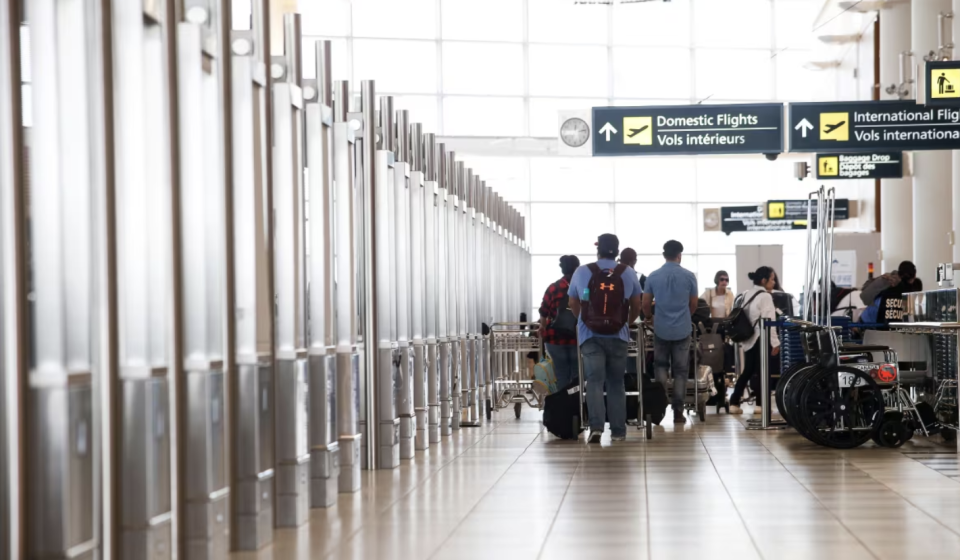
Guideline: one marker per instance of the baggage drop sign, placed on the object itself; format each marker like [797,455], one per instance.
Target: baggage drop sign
[869,165]
[688,130]
[866,126]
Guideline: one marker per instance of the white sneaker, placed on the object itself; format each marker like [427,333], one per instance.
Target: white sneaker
[734,409]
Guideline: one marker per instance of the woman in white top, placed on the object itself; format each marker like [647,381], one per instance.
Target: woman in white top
[757,304]
[720,299]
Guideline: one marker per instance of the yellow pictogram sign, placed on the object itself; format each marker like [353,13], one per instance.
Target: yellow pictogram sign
[638,130]
[835,126]
[944,83]
[829,166]
[776,210]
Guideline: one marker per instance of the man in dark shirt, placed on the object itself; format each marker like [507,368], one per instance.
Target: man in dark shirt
[561,346]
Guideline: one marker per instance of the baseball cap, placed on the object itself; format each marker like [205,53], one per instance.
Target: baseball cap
[608,245]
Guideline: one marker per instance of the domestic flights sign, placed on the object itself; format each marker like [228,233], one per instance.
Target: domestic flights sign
[688,129]
[865,126]
[870,165]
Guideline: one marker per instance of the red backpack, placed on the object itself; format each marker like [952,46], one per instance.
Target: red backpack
[605,309]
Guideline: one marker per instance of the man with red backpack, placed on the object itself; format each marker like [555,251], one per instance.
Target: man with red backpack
[605,296]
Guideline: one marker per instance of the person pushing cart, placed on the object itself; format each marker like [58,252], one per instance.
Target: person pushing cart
[606,300]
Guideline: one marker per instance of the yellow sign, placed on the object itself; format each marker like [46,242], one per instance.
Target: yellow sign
[944,83]
[638,130]
[829,166]
[835,126]
[776,210]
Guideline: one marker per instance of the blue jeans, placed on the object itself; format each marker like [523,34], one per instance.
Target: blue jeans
[565,365]
[604,363]
[675,353]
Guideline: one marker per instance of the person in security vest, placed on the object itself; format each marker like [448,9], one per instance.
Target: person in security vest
[605,296]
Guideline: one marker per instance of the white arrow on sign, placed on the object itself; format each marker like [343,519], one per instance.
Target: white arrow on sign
[803,126]
[608,129]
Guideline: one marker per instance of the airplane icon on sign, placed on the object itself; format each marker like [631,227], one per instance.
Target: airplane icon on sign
[831,127]
[635,131]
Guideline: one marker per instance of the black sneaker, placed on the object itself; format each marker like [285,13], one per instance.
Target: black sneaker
[595,436]
[678,417]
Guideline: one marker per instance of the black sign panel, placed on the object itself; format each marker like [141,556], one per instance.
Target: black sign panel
[796,210]
[872,125]
[942,83]
[688,129]
[753,218]
[868,165]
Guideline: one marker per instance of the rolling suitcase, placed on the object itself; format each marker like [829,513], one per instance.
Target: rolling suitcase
[654,400]
[561,412]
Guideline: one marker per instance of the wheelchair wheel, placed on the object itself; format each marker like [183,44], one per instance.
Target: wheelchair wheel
[783,387]
[841,408]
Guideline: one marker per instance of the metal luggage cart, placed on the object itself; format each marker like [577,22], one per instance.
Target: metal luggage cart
[510,344]
[698,392]
[634,352]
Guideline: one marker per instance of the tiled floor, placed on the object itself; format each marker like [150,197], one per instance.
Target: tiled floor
[711,491]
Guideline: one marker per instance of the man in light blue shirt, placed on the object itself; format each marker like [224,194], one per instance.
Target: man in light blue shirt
[605,355]
[674,290]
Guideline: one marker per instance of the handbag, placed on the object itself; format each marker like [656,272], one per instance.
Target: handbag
[738,326]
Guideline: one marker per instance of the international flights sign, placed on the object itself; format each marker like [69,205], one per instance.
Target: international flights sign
[688,129]
[866,126]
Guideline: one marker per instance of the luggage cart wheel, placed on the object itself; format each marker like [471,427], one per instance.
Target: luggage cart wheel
[517,408]
[702,412]
[648,423]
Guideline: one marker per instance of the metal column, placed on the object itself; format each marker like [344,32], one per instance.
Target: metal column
[430,423]
[204,491]
[402,273]
[348,360]
[417,383]
[251,409]
[367,283]
[144,190]
[443,288]
[13,279]
[293,458]
[324,447]
[386,367]
[59,426]
[464,300]
[454,294]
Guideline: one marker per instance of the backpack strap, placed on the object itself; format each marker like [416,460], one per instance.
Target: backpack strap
[753,297]
[594,268]
[618,271]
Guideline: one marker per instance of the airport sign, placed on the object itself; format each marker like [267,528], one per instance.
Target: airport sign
[796,210]
[942,84]
[866,126]
[688,130]
[754,218]
[867,165]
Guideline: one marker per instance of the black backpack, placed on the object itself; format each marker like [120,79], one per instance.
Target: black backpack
[605,310]
[565,323]
[738,326]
